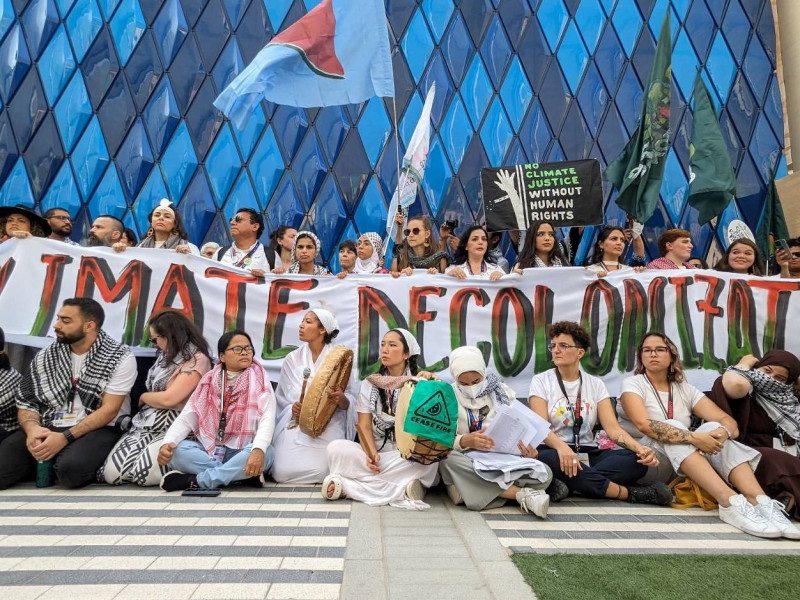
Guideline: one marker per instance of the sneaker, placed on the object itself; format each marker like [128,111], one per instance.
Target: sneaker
[175,481]
[652,493]
[533,501]
[743,515]
[257,481]
[454,495]
[775,513]
[557,490]
[415,490]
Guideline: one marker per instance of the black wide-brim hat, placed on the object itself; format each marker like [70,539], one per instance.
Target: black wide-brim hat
[24,210]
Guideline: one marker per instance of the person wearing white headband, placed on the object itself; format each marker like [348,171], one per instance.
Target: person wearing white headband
[383,477]
[300,458]
[166,231]
[479,396]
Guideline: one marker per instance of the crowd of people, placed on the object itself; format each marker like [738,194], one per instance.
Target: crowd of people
[205,420]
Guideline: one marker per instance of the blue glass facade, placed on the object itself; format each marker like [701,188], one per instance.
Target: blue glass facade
[107,107]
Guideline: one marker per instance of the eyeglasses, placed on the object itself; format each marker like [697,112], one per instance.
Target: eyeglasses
[656,350]
[238,219]
[415,231]
[241,349]
[560,346]
[795,254]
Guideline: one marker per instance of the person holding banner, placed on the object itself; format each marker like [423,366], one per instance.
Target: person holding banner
[479,395]
[281,241]
[347,258]
[21,222]
[418,250]
[383,476]
[743,257]
[246,252]
[472,258]
[299,458]
[166,231]
[608,251]
[182,358]
[231,416]
[573,402]
[658,403]
[305,249]
[760,395]
[675,246]
[541,249]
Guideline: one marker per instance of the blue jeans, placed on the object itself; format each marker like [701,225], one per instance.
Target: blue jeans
[191,457]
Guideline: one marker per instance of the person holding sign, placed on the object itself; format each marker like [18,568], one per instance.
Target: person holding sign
[472,258]
[573,402]
[541,249]
[608,251]
[374,472]
[659,403]
[479,398]
[743,257]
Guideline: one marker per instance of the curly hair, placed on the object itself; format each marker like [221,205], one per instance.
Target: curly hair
[573,329]
[36,229]
[675,372]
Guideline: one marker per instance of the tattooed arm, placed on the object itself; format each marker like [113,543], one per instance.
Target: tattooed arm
[664,432]
[609,422]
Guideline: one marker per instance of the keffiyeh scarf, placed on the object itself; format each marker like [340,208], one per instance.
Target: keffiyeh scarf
[45,389]
[776,398]
[383,401]
[295,266]
[9,380]
[173,241]
[554,262]
[373,263]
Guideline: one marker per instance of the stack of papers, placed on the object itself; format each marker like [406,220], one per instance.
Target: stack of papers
[515,423]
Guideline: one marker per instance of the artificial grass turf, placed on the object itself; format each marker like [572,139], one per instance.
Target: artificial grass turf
[656,576]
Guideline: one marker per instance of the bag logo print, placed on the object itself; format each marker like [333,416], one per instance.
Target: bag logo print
[433,413]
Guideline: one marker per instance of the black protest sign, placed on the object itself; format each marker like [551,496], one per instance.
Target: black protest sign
[563,193]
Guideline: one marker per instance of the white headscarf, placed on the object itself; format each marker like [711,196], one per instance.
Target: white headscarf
[326,318]
[295,266]
[373,263]
[466,358]
[411,342]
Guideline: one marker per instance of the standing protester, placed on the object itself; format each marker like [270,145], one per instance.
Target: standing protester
[281,242]
[60,225]
[418,250]
[742,257]
[608,251]
[166,231]
[789,262]
[68,403]
[472,257]
[675,247]
[304,254]
[21,222]
[541,249]
[347,258]
[106,231]
[246,252]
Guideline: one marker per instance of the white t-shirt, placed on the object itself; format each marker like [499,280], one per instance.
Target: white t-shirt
[490,268]
[684,398]
[257,260]
[561,411]
[119,384]
[363,405]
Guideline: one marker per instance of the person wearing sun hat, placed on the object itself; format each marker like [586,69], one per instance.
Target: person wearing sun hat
[21,222]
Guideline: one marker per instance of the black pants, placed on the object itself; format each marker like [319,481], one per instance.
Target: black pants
[605,466]
[75,466]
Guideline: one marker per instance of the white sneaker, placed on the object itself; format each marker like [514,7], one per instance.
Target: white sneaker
[750,519]
[415,490]
[533,501]
[454,494]
[773,511]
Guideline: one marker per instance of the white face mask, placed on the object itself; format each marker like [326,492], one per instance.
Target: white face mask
[473,391]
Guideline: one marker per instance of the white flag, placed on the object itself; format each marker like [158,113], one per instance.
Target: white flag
[414,162]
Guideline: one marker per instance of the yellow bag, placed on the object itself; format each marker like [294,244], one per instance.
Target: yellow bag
[689,495]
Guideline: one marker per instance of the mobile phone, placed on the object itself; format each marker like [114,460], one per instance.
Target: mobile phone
[203,492]
[783,245]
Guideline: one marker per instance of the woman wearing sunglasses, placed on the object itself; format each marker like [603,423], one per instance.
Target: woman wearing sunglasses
[417,251]
[182,358]
[231,416]
[659,403]
[573,402]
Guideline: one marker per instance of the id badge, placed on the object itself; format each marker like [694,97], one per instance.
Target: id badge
[65,419]
[778,445]
[584,458]
[219,453]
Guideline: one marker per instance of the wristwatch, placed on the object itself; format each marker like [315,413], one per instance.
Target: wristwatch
[68,434]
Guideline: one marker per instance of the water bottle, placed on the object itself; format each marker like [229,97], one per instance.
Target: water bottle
[45,475]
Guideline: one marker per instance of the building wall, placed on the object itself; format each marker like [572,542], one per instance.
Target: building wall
[106,107]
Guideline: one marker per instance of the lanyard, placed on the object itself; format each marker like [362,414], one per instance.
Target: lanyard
[75,381]
[476,423]
[668,412]
[483,267]
[224,402]
[606,269]
[577,417]
[241,263]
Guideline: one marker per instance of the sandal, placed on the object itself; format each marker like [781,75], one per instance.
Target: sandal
[337,491]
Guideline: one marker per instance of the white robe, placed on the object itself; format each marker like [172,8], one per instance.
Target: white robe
[300,458]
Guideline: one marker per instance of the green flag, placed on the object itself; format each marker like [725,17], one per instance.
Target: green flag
[638,170]
[712,182]
[773,223]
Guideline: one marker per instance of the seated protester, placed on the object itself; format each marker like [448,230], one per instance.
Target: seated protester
[472,259]
[369,250]
[540,248]
[608,251]
[418,249]
[389,478]
[299,458]
[231,416]
[281,242]
[166,231]
[181,360]
[246,252]
[698,263]
[129,238]
[347,258]
[68,403]
[304,252]
[209,250]
[496,253]
[658,403]
[675,247]
[21,222]
[789,262]
[759,395]
[742,257]
[9,382]
[479,395]
[573,402]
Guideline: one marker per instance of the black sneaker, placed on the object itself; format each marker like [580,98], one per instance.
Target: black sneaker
[652,493]
[175,481]
[256,481]
[557,490]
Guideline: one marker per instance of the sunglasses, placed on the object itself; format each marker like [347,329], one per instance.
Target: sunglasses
[415,231]
[238,219]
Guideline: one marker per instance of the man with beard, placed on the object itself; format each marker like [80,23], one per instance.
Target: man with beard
[60,225]
[67,405]
[106,231]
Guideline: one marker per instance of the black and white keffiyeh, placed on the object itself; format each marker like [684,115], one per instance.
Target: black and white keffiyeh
[776,398]
[9,381]
[47,386]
